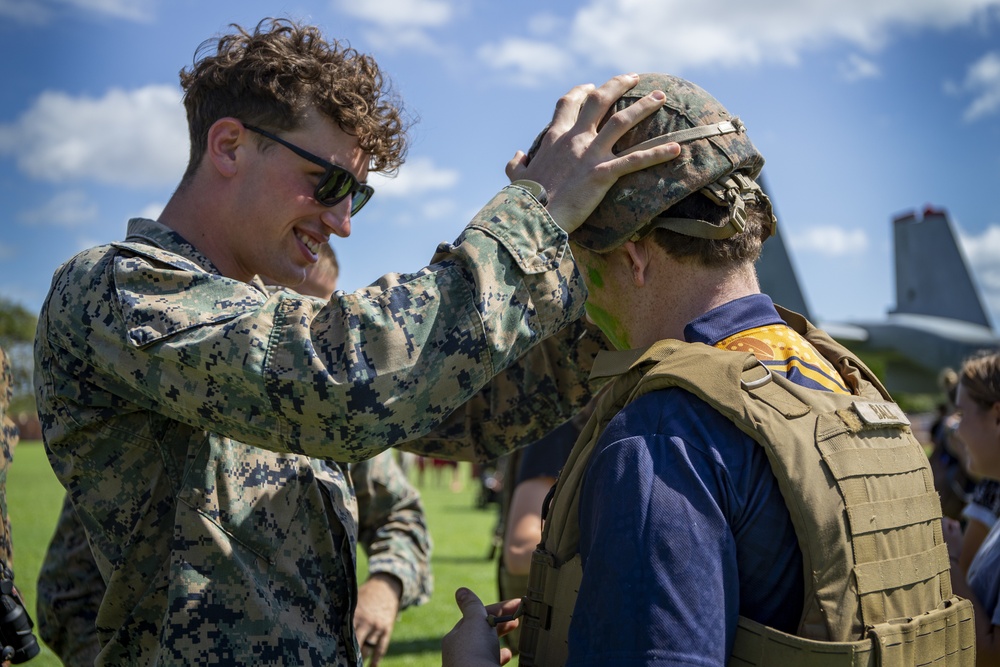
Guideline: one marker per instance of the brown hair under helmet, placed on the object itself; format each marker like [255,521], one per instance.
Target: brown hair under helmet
[717,158]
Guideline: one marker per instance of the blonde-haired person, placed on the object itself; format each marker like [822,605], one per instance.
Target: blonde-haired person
[978,403]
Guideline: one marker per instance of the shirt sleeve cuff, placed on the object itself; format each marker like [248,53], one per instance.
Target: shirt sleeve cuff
[525,229]
[417,588]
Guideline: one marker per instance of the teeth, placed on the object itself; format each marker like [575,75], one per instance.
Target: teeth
[311,243]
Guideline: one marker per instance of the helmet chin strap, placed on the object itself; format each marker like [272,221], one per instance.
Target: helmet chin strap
[733,191]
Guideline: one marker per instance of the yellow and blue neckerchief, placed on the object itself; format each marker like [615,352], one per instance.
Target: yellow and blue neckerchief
[751,324]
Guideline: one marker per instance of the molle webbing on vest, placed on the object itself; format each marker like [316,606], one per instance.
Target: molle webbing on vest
[944,637]
[544,630]
[858,489]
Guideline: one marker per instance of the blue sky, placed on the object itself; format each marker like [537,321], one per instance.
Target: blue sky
[863,110]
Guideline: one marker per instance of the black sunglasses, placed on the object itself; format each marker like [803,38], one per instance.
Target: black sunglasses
[336,184]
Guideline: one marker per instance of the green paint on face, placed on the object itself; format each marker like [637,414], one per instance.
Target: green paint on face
[596,279]
[610,325]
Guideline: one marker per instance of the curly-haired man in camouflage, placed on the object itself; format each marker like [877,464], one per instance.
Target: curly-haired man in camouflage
[186,409]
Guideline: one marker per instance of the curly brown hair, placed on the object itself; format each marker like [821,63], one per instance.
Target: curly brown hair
[271,76]
[737,249]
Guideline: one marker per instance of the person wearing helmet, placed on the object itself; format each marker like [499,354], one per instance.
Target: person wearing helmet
[737,495]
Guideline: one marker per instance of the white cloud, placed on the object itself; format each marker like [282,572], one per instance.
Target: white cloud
[419,184]
[400,24]
[427,211]
[43,11]
[830,241]
[416,13]
[529,61]
[856,68]
[439,209]
[152,211]
[544,24]
[132,138]
[66,209]
[982,81]
[393,39]
[24,11]
[135,10]
[672,35]
[417,176]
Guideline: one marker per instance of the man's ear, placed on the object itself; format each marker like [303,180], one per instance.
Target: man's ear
[224,137]
[638,258]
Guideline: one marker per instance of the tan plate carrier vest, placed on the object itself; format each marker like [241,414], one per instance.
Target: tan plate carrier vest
[859,490]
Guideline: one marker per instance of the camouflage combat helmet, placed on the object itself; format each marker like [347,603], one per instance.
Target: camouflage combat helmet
[717,158]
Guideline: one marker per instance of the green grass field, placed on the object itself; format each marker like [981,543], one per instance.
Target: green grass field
[461,534]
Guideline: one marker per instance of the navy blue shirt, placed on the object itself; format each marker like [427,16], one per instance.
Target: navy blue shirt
[547,456]
[683,527]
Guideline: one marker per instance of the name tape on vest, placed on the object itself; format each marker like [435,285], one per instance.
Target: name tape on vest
[881,414]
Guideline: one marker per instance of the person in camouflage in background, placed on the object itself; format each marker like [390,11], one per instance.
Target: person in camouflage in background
[17,642]
[69,593]
[8,441]
[188,412]
[393,532]
[391,528]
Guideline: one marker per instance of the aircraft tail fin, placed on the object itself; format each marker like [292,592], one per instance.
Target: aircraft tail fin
[777,275]
[932,274]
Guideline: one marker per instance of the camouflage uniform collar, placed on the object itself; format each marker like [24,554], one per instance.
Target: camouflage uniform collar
[150,232]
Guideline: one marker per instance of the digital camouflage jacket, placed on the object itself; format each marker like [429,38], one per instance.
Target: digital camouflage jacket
[391,530]
[188,415]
